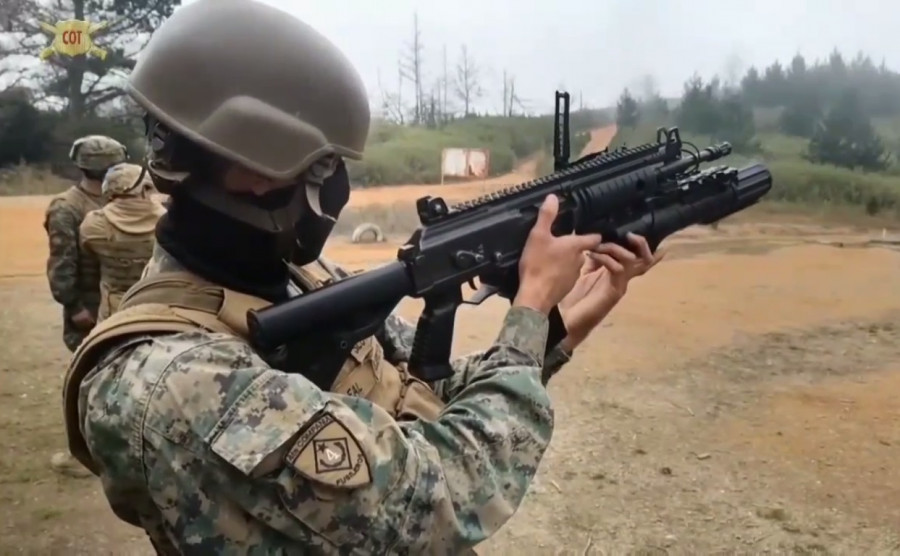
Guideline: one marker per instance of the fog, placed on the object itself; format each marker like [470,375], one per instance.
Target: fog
[594,49]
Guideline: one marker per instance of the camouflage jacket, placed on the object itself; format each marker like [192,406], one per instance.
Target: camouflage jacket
[74,283]
[212,451]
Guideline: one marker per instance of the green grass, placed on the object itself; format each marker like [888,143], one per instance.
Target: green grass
[799,181]
[30,180]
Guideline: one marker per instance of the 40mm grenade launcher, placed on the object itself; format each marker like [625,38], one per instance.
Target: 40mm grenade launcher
[654,190]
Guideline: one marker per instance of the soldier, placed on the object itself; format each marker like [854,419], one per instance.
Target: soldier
[74,284]
[118,238]
[214,447]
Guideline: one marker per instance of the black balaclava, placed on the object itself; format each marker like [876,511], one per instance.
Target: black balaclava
[241,241]
[223,250]
[238,255]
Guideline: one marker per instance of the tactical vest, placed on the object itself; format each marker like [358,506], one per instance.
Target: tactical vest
[175,302]
[122,258]
[81,203]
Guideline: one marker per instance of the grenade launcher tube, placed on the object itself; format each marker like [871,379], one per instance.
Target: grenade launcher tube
[750,184]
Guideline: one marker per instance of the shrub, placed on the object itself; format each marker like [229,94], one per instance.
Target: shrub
[30,180]
[809,184]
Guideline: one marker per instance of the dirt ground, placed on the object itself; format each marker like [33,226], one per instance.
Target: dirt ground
[742,399]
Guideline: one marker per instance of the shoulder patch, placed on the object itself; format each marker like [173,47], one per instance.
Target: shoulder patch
[326,452]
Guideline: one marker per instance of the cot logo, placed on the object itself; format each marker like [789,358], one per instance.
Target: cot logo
[73,38]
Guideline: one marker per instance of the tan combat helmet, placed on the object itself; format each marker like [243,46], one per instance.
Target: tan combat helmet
[125,180]
[97,152]
[254,85]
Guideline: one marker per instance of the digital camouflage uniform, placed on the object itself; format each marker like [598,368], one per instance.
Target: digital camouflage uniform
[118,238]
[212,450]
[157,408]
[75,283]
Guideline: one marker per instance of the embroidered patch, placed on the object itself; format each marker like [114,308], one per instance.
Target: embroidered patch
[327,453]
[360,350]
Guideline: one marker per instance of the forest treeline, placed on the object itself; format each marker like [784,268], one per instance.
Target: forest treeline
[830,104]
[828,130]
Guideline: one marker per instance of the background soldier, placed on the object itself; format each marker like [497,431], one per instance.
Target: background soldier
[75,285]
[118,238]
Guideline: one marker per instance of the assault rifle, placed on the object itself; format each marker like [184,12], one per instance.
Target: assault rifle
[653,190]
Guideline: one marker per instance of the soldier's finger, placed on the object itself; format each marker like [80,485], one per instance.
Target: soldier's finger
[608,262]
[642,248]
[547,214]
[617,251]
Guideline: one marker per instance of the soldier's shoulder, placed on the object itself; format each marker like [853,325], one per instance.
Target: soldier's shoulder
[62,201]
[162,350]
[66,196]
[151,354]
[195,375]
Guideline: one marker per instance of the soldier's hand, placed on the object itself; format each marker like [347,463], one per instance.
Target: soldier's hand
[550,265]
[604,281]
[84,320]
[618,266]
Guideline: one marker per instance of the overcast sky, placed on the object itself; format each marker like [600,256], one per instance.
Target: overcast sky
[597,47]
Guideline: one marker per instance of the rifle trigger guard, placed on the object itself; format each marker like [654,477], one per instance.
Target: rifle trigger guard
[483,293]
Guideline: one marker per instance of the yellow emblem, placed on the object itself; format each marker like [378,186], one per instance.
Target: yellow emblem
[73,38]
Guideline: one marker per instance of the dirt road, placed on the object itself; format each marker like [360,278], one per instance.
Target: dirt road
[600,138]
[742,399]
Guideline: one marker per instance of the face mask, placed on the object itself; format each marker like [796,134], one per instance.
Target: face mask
[323,205]
[299,217]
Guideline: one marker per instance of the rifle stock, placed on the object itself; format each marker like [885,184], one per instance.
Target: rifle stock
[654,190]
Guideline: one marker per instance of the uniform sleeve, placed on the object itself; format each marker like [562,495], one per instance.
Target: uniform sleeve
[397,339]
[62,264]
[326,472]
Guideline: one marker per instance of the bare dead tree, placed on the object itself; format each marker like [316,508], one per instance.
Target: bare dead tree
[433,116]
[411,69]
[467,85]
[445,81]
[511,100]
[506,87]
[81,84]
[17,41]
[392,101]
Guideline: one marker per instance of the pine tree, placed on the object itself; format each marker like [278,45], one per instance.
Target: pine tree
[627,114]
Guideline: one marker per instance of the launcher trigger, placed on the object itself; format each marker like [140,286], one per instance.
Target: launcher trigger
[483,293]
